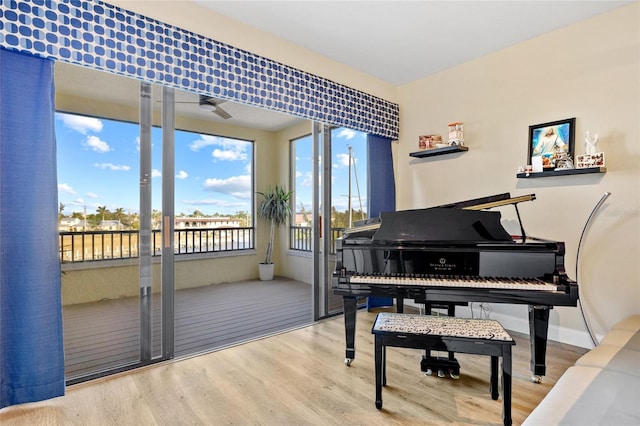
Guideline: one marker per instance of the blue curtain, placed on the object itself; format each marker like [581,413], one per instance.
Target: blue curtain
[381,190]
[31,345]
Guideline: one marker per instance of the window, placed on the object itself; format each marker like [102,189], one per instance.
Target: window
[214,177]
[348,184]
[98,189]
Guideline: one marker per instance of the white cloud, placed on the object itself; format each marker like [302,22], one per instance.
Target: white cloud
[114,167]
[96,144]
[238,186]
[228,155]
[226,149]
[343,160]
[92,195]
[64,187]
[81,124]
[182,175]
[307,180]
[155,173]
[76,202]
[347,134]
[205,141]
[220,204]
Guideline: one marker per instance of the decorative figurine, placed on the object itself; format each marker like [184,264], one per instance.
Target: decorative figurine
[563,161]
[590,143]
[456,134]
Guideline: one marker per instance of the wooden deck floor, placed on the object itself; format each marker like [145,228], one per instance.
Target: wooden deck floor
[103,335]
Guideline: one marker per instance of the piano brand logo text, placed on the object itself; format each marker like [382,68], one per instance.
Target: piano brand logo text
[442,265]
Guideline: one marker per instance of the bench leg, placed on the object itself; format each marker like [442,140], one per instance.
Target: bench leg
[379,367]
[384,365]
[493,383]
[506,386]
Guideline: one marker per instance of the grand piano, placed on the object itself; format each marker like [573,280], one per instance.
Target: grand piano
[452,255]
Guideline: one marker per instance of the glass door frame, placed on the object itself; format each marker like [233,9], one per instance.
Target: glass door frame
[321,208]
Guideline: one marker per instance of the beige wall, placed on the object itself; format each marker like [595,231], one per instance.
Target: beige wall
[92,282]
[298,266]
[589,71]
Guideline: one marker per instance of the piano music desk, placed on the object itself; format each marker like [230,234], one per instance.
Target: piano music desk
[442,333]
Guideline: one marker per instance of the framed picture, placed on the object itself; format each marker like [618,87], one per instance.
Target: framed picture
[547,140]
[585,161]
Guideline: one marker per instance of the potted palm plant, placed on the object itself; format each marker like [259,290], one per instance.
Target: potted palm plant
[276,208]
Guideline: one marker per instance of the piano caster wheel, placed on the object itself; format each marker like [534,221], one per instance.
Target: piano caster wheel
[428,372]
[440,373]
[536,379]
[453,375]
[348,361]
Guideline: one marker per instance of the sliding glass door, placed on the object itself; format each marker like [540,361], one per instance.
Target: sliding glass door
[330,183]
[109,233]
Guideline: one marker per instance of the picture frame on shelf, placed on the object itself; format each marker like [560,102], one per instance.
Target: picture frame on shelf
[548,140]
[586,161]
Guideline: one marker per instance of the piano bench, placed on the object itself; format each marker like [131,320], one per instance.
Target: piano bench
[443,333]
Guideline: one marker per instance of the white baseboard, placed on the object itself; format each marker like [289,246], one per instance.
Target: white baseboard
[556,333]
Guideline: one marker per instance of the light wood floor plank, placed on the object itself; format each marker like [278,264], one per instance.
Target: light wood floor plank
[297,378]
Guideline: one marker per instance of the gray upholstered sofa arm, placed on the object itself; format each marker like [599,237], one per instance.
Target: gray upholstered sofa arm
[602,388]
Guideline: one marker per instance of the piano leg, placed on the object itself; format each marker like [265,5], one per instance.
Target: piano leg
[349,304]
[538,328]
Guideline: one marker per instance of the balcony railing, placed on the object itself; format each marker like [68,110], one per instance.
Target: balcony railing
[300,238]
[108,245]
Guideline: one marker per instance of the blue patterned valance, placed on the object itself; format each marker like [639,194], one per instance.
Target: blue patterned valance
[105,37]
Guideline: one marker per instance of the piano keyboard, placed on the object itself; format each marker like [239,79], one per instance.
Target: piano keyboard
[460,282]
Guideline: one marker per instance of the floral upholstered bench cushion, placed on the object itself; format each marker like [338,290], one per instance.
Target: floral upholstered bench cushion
[440,326]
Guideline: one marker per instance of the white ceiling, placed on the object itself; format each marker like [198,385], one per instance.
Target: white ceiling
[402,41]
[396,41]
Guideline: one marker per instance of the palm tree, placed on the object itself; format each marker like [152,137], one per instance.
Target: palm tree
[102,211]
[119,214]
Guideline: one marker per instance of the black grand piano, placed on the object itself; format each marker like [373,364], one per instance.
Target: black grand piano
[453,255]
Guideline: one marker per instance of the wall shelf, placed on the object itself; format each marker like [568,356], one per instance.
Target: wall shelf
[439,151]
[562,172]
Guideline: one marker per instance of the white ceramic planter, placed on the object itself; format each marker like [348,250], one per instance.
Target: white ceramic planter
[266,271]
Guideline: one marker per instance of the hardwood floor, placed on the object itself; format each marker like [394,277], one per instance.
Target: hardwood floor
[297,378]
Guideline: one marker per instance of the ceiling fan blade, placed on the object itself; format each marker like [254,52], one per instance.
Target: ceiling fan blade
[208,103]
[214,105]
[221,113]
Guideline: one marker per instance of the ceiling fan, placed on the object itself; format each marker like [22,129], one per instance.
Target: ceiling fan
[208,103]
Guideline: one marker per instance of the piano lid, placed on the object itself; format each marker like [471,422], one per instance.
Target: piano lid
[444,225]
[476,201]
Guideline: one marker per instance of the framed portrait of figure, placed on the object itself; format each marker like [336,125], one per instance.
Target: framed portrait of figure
[548,140]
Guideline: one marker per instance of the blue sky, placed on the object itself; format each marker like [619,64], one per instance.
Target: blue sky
[98,165]
[341,140]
